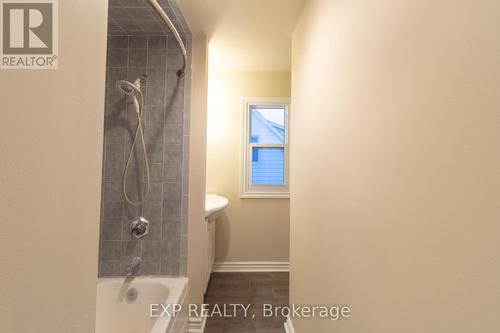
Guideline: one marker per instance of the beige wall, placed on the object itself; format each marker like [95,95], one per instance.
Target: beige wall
[396,165]
[197,172]
[250,229]
[51,133]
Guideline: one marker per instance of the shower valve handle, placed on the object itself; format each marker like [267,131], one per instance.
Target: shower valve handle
[139,227]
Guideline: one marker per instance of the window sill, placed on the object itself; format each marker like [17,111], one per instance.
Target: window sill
[265,195]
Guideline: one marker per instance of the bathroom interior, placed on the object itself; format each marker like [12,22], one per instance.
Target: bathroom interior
[146,176]
[194,156]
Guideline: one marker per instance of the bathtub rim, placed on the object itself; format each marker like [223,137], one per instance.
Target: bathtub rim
[177,293]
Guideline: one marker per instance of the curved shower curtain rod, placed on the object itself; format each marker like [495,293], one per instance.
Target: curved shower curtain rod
[181,72]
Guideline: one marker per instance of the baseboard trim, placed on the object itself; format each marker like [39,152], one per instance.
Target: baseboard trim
[289,326]
[196,324]
[252,266]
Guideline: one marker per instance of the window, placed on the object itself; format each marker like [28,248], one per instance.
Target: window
[265,148]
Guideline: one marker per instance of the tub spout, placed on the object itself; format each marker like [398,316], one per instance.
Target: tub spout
[133,266]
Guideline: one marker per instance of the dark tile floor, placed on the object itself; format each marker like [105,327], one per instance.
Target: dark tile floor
[254,289]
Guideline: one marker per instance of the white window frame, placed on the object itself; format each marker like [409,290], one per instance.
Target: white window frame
[247,190]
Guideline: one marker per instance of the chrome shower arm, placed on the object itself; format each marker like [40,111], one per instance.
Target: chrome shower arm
[166,19]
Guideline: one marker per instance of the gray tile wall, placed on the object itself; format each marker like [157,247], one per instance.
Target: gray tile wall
[132,52]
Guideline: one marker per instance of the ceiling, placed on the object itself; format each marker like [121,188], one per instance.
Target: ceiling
[245,35]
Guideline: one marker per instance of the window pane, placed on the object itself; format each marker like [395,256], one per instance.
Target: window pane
[268,166]
[267,125]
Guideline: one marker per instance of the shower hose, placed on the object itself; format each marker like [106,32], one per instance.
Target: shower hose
[139,136]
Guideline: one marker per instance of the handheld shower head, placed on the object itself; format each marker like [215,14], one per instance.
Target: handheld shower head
[134,90]
[127,88]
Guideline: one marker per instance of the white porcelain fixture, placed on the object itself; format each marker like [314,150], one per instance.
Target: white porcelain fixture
[123,304]
[214,205]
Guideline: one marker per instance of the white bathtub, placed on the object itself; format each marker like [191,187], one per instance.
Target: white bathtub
[117,314]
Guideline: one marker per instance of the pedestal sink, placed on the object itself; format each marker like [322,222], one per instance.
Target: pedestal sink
[214,205]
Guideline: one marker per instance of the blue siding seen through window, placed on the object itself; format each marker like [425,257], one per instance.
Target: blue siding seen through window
[269,167]
[267,126]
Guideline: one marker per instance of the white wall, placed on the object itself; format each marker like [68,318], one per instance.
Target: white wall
[249,229]
[51,135]
[395,167]
[197,172]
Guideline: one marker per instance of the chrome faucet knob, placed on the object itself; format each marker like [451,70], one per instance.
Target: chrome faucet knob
[139,227]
